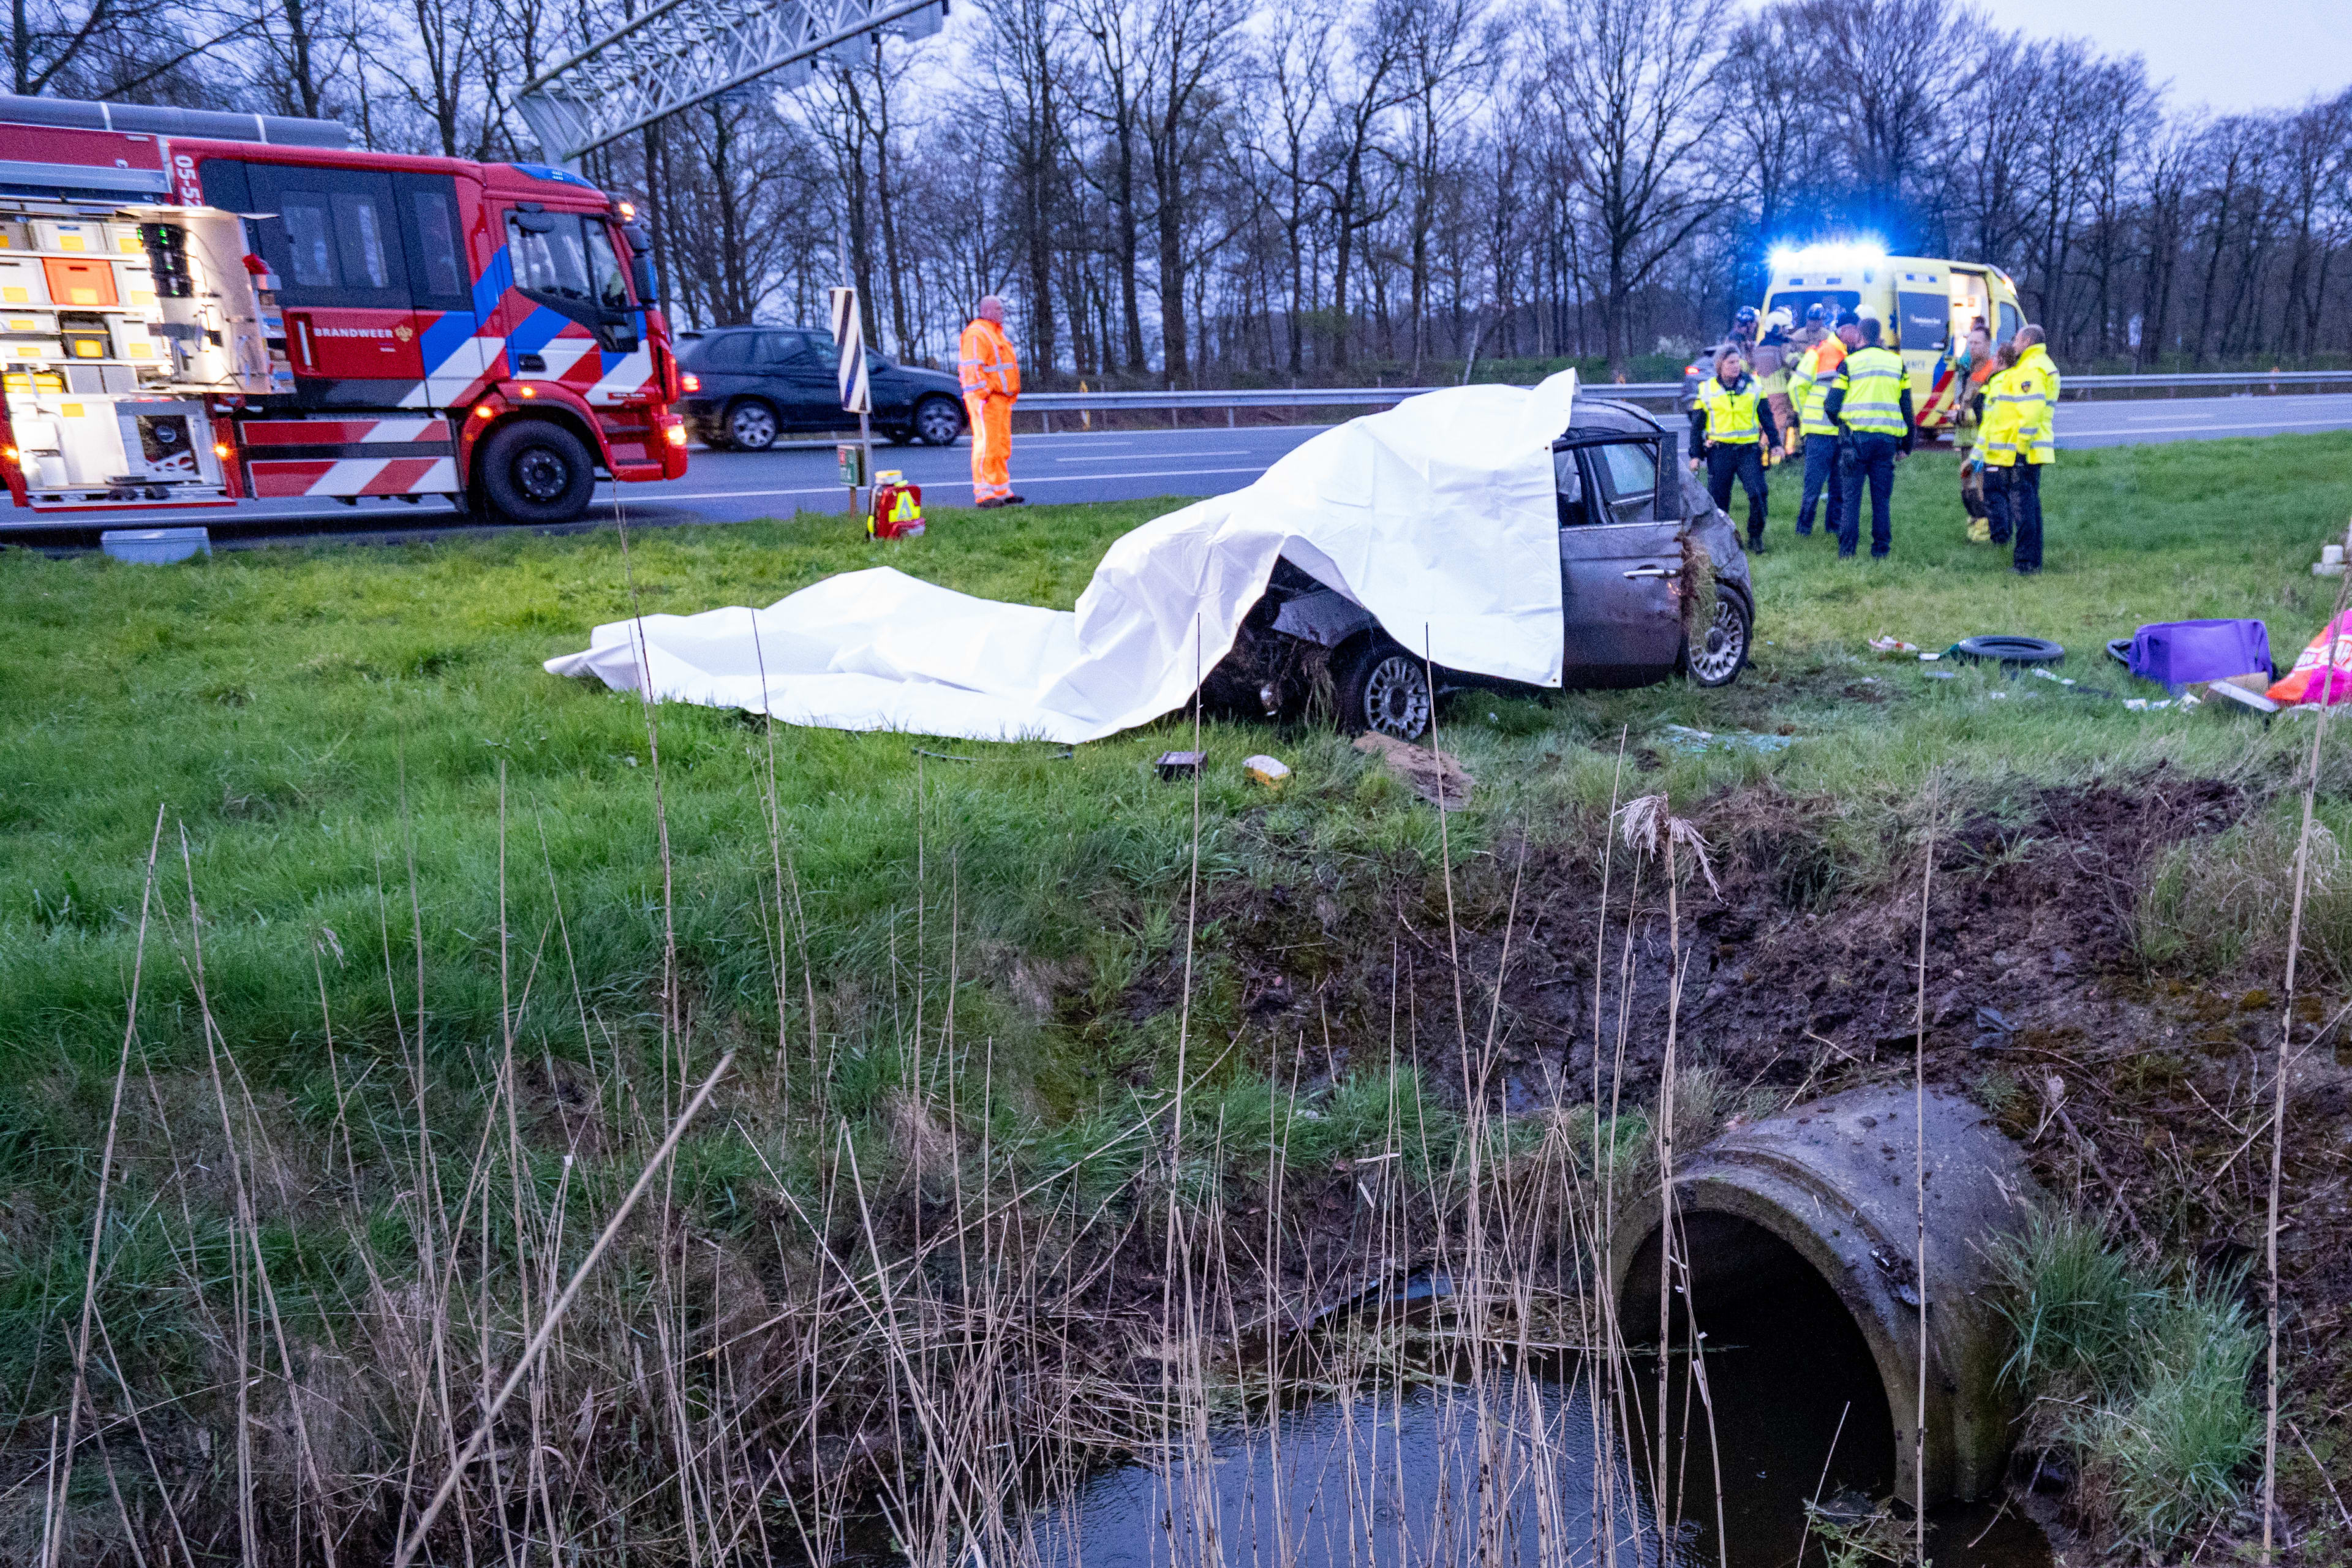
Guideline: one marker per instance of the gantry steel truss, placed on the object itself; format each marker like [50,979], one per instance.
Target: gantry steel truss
[685,52]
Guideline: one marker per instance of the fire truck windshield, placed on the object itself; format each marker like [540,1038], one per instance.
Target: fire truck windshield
[567,255]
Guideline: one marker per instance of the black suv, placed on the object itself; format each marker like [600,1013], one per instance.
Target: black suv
[759,385]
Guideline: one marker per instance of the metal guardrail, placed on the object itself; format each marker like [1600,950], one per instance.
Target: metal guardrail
[1049,403]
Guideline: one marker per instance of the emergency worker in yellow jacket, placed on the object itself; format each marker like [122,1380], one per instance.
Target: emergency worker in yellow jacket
[1732,424]
[1871,401]
[2016,441]
[1809,390]
[991,373]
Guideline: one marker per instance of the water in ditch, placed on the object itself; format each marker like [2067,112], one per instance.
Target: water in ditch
[1506,1469]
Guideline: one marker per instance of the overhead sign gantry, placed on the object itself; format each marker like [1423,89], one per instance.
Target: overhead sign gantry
[685,52]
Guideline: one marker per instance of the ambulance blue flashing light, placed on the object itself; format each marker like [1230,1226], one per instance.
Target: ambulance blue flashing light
[1866,252]
[561,176]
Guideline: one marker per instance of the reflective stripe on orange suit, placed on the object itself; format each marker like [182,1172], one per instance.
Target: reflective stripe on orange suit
[991,373]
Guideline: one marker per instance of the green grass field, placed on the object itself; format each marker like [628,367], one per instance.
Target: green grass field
[384,811]
[313,720]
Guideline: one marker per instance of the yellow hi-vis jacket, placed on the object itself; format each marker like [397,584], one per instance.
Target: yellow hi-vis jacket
[2021,412]
[1808,389]
[1731,412]
[1872,380]
[986,362]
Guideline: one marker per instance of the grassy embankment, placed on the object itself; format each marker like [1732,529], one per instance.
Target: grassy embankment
[966,949]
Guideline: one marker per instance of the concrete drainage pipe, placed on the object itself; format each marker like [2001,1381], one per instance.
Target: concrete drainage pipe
[1830,1182]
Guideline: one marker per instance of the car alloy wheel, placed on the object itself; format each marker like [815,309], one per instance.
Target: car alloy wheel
[1716,657]
[751,427]
[938,422]
[1396,697]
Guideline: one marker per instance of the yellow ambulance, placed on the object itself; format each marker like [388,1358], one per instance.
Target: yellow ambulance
[1928,306]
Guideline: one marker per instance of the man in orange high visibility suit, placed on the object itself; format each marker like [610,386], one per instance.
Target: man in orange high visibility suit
[992,380]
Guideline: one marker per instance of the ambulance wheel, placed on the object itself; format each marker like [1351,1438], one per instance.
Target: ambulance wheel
[536,471]
[938,422]
[750,425]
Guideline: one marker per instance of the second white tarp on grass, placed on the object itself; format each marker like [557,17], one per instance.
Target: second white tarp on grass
[1437,516]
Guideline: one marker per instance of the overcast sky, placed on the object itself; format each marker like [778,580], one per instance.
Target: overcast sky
[2235,54]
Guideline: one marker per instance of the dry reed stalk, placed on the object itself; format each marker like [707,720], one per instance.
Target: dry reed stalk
[413,1537]
[2278,1091]
[55,1531]
[1919,1188]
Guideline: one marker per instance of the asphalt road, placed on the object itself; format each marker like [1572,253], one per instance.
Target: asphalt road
[1125,465]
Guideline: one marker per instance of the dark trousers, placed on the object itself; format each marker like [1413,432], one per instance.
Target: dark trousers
[1744,462]
[1821,474]
[1867,459]
[2013,497]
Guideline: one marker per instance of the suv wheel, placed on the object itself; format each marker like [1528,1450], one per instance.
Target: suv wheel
[537,472]
[1383,688]
[751,425]
[938,422]
[1718,653]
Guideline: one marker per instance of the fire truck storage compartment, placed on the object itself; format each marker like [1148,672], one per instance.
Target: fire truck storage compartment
[87,236]
[23,281]
[73,282]
[86,335]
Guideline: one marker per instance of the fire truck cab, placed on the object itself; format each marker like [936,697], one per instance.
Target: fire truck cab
[196,307]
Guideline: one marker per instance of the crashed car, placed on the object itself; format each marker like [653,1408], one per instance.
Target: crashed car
[1653,584]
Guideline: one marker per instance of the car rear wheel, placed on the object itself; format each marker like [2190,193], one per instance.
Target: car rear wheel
[1383,688]
[537,472]
[938,422]
[1719,652]
[751,425]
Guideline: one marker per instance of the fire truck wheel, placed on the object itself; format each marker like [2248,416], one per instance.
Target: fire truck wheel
[938,422]
[536,471]
[750,425]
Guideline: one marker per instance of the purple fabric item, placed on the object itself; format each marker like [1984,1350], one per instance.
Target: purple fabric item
[2180,653]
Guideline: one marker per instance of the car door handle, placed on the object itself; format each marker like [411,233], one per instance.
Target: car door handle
[1651,572]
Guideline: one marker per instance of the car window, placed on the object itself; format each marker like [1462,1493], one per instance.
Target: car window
[1629,471]
[781,348]
[729,350]
[1568,484]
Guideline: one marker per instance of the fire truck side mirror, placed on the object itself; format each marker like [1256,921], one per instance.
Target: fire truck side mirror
[641,277]
[534,223]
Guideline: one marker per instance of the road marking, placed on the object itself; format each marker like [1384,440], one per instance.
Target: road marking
[1222,452]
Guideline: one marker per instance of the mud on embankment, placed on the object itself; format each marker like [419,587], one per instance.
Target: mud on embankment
[2140,1095]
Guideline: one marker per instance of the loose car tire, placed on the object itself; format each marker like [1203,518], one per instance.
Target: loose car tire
[1718,655]
[2009,651]
[536,471]
[751,425]
[938,422]
[1380,687]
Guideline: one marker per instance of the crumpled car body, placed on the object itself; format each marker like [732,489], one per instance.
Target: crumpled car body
[1653,584]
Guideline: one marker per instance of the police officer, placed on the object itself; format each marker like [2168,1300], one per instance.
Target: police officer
[1731,423]
[1809,390]
[1870,399]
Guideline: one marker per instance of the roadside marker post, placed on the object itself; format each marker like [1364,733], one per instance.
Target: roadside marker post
[857,393]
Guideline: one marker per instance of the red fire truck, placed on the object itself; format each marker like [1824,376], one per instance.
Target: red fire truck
[196,307]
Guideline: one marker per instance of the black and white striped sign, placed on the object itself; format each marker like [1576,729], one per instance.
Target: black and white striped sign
[849,348]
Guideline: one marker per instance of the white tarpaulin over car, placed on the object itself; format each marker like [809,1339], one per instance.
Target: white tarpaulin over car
[1437,516]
